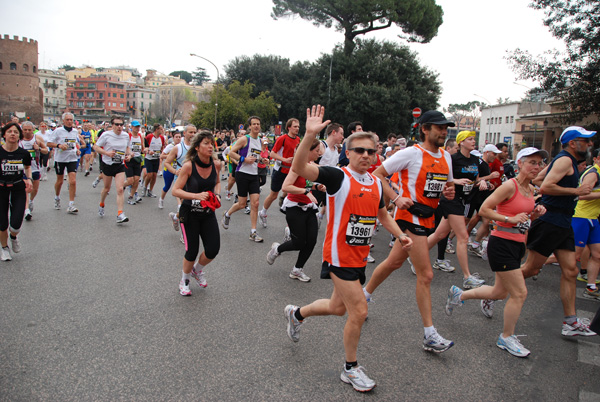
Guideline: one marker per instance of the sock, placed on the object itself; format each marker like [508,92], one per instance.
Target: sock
[227,214]
[429,331]
[57,197]
[571,319]
[253,231]
[296,270]
[590,287]
[367,294]
[350,365]
[178,206]
[263,211]
[298,315]
[198,267]
[475,244]
[102,204]
[13,237]
[185,277]
[119,212]
[71,203]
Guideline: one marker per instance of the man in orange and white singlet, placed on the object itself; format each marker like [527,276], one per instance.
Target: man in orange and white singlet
[354,202]
[425,170]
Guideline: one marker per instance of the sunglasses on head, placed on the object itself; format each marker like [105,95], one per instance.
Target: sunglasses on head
[361,150]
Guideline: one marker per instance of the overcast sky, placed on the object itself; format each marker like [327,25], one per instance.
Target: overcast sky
[468,53]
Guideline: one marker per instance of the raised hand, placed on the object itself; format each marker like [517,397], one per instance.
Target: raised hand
[314,120]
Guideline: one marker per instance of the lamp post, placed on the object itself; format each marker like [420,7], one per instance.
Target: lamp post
[216,88]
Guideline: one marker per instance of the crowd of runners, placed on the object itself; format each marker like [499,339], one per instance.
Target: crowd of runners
[432,192]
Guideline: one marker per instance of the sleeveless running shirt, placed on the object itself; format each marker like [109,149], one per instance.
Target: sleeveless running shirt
[198,184]
[253,148]
[352,214]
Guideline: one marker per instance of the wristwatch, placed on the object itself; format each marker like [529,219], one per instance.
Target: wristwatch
[307,191]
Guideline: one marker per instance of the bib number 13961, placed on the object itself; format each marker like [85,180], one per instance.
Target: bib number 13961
[360,229]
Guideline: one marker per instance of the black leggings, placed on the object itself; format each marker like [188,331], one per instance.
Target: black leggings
[14,199]
[200,225]
[44,159]
[303,229]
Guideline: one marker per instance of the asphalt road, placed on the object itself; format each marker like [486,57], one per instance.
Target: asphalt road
[91,312]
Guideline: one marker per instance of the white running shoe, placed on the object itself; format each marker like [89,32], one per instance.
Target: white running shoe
[579,327]
[95,183]
[357,377]
[72,209]
[31,206]
[137,197]
[287,236]
[57,203]
[28,214]
[293,325]
[198,275]
[5,254]
[272,254]
[300,275]
[412,267]
[121,218]
[184,288]
[15,245]
[174,221]
[161,203]
[263,219]
[101,212]
[487,307]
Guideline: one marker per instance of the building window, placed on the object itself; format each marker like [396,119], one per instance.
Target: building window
[512,119]
[25,68]
[90,95]
[34,69]
[121,105]
[79,104]
[506,121]
[0,65]
[142,94]
[142,105]
[114,95]
[150,96]
[13,66]
[122,96]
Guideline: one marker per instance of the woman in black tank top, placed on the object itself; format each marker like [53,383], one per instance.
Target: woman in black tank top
[198,185]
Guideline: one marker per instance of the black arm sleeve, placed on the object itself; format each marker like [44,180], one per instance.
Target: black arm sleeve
[331,177]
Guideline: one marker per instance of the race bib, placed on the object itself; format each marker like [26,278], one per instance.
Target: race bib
[118,156]
[255,153]
[70,143]
[360,229]
[434,184]
[12,167]
[32,153]
[137,148]
[467,188]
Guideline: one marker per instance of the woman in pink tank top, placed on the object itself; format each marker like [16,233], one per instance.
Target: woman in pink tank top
[512,206]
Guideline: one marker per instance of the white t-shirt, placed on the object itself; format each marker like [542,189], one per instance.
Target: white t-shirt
[61,136]
[411,159]
[110,141]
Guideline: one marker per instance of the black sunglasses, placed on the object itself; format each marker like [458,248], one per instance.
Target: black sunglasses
[361,150]
[117,124]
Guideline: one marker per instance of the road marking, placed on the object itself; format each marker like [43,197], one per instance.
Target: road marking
[585,396]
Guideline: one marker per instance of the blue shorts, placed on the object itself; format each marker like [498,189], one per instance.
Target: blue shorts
[587,231]
[86,151]
[168,178]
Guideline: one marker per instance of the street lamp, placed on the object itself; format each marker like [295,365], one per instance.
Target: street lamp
[216,89]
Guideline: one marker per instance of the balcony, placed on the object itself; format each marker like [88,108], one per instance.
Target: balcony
[49,85]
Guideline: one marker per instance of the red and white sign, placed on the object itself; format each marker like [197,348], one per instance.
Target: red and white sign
[416,113]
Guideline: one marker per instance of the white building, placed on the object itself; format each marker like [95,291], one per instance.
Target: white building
[498,124]
[141,102]
[54,86]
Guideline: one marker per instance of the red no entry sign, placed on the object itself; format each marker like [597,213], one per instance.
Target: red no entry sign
[416,113]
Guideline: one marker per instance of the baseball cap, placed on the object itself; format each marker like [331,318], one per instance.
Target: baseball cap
[135,123]
[435,117]
[570,133]
[52,124]
[531,151]
[476,153]
[463,135]
[491,148]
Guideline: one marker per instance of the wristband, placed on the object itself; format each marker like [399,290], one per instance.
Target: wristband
[306,191]
[242,159]
[394,201]
[506,219]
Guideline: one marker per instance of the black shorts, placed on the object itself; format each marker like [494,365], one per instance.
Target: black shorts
[344,273]
[151,165]
[454,207]
[545,237]
[59,167]
[277,179]
[133,168]
[247,183]
[112,170]
[505,255]
[35,175]
[414,229]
